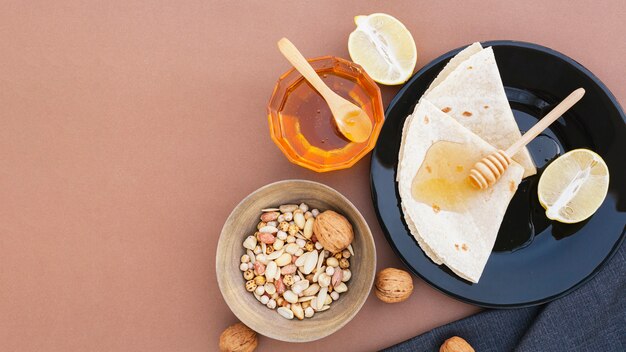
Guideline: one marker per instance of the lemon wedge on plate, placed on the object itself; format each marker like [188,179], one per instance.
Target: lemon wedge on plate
[383,47]
[573,186]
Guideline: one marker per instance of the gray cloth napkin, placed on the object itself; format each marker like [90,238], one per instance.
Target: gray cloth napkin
[592,318]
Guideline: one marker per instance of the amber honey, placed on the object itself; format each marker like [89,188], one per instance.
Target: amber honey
[441,180]
[302,124]
[306,114]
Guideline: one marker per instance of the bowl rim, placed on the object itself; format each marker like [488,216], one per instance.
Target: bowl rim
[360,299]
[299,160]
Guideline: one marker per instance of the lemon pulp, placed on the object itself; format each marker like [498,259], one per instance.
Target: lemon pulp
[384,47]
[573,186]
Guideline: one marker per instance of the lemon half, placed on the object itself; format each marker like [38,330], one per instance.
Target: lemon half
[383,47]
[574,186]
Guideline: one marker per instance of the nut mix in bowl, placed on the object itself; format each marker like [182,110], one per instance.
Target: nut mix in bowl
[347,293]
[288,269]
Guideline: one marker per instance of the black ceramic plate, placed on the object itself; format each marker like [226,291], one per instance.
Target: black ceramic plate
[534,260]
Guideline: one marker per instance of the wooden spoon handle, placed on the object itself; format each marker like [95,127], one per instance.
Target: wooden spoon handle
[302,65]
[546,121]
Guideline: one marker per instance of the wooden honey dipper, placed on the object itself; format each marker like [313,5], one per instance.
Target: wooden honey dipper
[488,170]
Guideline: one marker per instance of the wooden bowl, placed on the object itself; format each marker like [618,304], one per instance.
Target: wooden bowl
[242,223]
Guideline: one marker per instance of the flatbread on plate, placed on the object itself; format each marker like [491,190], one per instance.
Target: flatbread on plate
[470,90]
[460,239]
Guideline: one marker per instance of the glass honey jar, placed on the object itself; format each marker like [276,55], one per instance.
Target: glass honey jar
[302,125]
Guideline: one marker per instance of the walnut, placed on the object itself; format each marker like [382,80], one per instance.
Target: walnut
[455,344]
[333,231]
[238,338]
[393,285]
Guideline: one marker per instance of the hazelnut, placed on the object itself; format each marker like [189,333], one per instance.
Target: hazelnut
[238,338]
[250,286]
[344,263]
[393,285]
[345,253]
[333,231]
[288,280]
[455,344]
[293,229]
[248,274]
[259,280]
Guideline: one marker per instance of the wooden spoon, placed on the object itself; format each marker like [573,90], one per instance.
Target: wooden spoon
[351,120]
[487,171]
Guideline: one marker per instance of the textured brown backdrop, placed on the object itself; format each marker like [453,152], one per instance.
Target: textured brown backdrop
[130,129]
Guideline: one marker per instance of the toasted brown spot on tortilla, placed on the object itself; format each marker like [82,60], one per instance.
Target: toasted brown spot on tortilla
[459,168]
[486,106]
[426,119]
[467,113]
[456,246]
[464,247]
[436,208]
[512,186]
[446,109]
[428,169]
[469,67]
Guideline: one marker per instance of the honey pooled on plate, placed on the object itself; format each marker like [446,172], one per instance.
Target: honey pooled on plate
[441,180]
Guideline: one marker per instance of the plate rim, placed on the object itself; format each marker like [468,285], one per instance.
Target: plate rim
[394,102]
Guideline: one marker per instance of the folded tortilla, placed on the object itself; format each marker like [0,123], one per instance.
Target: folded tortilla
[450,66]
[462,240]
[470,90]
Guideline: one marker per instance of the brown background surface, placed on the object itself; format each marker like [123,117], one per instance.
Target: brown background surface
[130,129]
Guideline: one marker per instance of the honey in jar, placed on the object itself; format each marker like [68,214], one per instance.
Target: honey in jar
[302,124]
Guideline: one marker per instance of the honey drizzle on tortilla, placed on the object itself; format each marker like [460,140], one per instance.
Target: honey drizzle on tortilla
[441,181]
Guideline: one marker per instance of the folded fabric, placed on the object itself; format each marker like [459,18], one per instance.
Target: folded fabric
[592,318]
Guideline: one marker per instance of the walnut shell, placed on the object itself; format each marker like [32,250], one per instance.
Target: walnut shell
[333,231]
[393,285]
[238,338]
[456,344]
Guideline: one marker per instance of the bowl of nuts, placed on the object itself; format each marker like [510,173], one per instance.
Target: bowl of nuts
[295,261]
